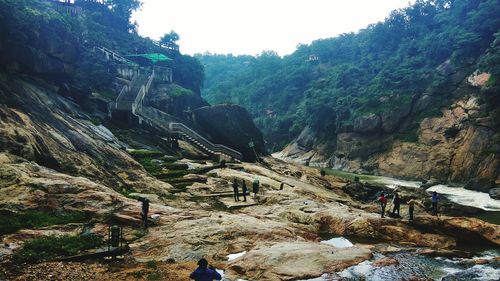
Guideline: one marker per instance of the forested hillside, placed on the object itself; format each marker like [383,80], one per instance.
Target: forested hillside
[428,49]
[40,38]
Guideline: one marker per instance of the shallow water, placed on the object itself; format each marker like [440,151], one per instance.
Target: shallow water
[414,265]
[457,195]
[467,197]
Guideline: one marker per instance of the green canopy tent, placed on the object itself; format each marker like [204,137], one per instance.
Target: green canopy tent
[153,57]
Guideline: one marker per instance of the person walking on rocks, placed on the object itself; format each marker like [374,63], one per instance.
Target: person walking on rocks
[145,211]
[255,187]
[434,200]
[383,203]
[396,201]
[244,189]
[411,206]
[235,190]
[205,272]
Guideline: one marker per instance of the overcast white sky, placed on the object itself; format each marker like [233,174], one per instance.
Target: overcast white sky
[251,26]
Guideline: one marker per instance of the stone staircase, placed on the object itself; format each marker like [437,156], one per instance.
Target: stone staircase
[131,99]
[165,122]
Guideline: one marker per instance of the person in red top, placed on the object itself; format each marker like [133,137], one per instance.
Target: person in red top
[383,203]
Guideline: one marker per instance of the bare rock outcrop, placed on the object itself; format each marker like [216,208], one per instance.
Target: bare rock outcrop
[295,260]
[231,125]
[38,125]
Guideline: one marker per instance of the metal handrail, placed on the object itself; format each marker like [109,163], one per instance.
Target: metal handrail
[157,117]
[179,127]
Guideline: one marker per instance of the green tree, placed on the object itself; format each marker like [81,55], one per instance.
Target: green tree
[123,9]
[170,38]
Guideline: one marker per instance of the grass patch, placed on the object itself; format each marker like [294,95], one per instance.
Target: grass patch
[408,137]
[347,175]
[154,276]
[45,248]
[151,264]
[143,153]
[12,222]
[172,174]
[146,157]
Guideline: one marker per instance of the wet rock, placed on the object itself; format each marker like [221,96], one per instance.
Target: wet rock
[495,193]
[364,192]
[386,261]
[480,184]
[464,229]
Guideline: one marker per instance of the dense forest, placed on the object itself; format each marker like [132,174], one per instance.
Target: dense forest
[44,38]
[327,84]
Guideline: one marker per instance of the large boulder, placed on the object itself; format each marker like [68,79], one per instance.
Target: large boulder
[231,125]
[368,123]
[495,193]
[391,120]
[294,260]
[175,100]
[480,184]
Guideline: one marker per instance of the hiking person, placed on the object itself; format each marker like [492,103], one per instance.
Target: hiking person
[383,202]
[434,200]
[255,187]
[282,185]
[235,190]
[411,206]
[205,272]
[145,211]
[396,201]
[245,190]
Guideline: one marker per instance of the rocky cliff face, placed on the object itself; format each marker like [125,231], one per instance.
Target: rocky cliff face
[38,125]
[232,126]
[457,145]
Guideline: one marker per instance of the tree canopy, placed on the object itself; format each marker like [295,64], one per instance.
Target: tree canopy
[326,84]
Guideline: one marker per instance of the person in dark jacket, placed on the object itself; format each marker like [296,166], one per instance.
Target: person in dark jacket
[244,189]
[235,190]
[255,187]
[205,273]
[396,201]
[144,211]
[434,200]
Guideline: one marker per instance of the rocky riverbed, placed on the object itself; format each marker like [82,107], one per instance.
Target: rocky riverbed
[279,231]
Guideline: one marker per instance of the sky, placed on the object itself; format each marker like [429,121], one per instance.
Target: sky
[252,26]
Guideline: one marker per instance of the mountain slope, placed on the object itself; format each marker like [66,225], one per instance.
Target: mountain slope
[379,84]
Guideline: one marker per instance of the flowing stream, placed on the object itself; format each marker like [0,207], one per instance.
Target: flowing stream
[410,265]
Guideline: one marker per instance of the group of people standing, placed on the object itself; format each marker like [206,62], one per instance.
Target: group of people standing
[244,189]
[396,202]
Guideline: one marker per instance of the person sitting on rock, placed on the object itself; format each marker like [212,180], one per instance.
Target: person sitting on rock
[244,189]
[204,272]
[396,201]
[383,203]
[235,190]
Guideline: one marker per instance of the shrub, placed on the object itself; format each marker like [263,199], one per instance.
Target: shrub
[49,247]
[12,222]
